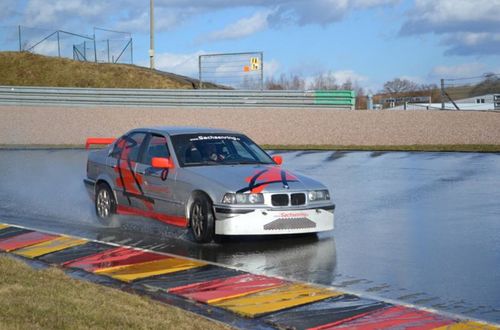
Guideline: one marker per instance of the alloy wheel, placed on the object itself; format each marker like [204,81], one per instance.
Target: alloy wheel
[197,220]
[103,203]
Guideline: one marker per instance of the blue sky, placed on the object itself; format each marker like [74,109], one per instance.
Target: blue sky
[367,41]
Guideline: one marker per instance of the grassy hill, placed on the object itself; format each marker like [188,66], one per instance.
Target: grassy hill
[489,85]
[27,69]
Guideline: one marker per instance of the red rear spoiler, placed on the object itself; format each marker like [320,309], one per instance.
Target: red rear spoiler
[91,141]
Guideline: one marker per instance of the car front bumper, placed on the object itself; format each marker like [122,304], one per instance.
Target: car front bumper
[276,222]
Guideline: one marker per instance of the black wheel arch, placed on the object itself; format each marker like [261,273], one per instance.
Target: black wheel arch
[101,182]
[194,193]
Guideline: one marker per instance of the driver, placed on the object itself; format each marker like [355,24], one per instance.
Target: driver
[212,154]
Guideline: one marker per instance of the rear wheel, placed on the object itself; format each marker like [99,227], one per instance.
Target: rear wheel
[202,219]
[105,204]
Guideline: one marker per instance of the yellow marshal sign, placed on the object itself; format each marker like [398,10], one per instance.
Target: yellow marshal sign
[254,63]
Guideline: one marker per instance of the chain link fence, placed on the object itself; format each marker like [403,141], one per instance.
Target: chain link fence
[235,70]
[472,93]
[102,46]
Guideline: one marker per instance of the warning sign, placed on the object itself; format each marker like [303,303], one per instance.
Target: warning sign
[254,63]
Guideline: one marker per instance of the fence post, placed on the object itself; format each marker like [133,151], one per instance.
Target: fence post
[95,49]
[20,39]
[442,94]
[107,40]
[200,83]
[131,51]
[151,34]
[261,71]
[58,45]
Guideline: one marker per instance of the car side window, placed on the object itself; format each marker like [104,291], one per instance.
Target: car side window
[157,147]
[128,147]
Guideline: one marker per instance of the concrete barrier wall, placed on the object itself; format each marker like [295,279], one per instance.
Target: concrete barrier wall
[20,125]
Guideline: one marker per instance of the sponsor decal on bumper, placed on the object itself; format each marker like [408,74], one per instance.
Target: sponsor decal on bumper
[267,222]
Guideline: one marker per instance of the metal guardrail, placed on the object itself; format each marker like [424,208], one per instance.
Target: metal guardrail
[175,97]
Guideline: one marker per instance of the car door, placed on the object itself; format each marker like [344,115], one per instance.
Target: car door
[159,183]
[123,160]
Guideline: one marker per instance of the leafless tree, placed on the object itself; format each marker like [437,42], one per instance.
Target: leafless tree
[297,83]
[398,86]
[286,82]
[272,84]
[324,81]
[347,85]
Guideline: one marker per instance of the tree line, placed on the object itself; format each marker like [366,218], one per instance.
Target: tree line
[395,88]
[321,81]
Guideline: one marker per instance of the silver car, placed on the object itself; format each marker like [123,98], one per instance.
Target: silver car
[212,181]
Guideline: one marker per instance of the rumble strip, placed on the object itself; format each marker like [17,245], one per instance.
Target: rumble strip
[240,299]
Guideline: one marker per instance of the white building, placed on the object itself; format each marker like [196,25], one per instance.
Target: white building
[482,103]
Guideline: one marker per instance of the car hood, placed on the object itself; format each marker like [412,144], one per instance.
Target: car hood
[255,178]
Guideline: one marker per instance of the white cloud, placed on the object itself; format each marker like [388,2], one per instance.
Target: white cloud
[458,71]
[450,15]
[471,43]
[133,16]
[321,12]
[136,18]
[241,28]
[343,76]
[466,27]
[282,12]
[54,13]
[183,64]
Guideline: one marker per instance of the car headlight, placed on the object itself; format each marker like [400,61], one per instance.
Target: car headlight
[318,195]
[232,198]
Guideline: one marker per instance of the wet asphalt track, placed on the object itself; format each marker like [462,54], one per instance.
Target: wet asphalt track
[423,228]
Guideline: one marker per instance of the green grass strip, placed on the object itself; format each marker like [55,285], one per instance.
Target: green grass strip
[50,299]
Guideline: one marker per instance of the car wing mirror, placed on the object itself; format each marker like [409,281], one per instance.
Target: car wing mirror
[278,159]
[160,162]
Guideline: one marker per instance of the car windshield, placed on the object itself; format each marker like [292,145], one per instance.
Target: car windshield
[218,149]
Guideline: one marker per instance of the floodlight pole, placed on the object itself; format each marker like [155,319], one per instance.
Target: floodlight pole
[151,35]
[20,39]
[442,95]
[95,48]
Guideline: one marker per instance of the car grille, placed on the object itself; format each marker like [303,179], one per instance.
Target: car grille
[286,199]
[279,200]
[298,199]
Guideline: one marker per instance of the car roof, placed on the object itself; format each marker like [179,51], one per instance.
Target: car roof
[177,130]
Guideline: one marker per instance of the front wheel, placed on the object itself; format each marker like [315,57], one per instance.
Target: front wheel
[202,219]
[105,204]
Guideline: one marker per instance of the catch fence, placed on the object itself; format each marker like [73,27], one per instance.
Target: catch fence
[102,46]
[235,70]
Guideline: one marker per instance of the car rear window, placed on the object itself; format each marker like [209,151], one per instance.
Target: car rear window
[128,147]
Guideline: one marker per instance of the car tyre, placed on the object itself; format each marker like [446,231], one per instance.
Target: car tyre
[105,203]
[201,219]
